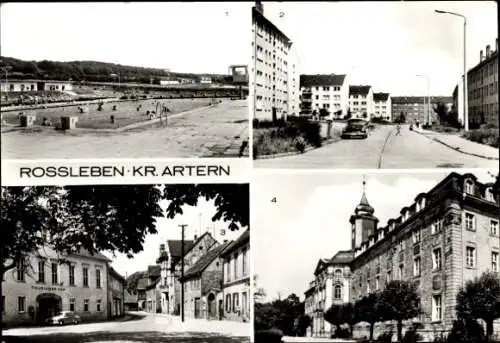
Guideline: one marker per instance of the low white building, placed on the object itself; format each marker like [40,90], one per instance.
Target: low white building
[327,92]
[35,86]
[169,82]
[205,79]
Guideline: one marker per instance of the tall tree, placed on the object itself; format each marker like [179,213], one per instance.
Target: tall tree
[349,316]
[399,301]
[368,310]
[334,316]
[480,298]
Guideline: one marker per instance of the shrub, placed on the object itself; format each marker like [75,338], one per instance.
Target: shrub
[268,336]
[411,336]
[468,331]
[483,136]
[385,337]
[342,333]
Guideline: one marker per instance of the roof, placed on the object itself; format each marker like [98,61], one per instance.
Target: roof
[493,55]
[259,17]
[243,239]
[116,275]
[205,260]
[321,80]
[97,255]
[342,256]
[174,246]
[154,271]
[153,283]
[361,90]
[380,96]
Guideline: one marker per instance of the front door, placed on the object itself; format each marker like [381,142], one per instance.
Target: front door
[212,311]
[48,305]
[197,307]
[275,116]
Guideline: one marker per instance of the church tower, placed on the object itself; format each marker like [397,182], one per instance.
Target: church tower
[363,222]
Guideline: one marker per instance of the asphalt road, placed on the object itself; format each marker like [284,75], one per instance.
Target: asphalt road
[382,149]
[149,328]
[208,132]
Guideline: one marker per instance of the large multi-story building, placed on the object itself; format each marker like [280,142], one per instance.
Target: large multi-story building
[236,280]
[273,91]
[47,283]
[447,236]
[328,92]
[413,109]
[382,106]
[482,89]
[361,102]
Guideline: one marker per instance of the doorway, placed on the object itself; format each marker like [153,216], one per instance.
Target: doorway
[197,307]
[48,305]
[212,310]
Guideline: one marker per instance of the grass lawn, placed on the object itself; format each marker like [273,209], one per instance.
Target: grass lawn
[265,144]
[125,114]
[132,337]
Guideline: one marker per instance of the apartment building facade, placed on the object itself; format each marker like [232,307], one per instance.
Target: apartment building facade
[47,283]
[482,88]
[382,106]
[271,65]
[327,92]
[361,101]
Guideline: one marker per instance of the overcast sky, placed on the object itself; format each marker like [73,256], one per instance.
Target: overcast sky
[386,44]
[183,37]
[169,229]
[310,218]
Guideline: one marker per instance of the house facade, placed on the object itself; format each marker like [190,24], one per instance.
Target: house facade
[236,281]
[327,92]
[47,283]
[361,102]
[382,106]
[116,294]
[35,86]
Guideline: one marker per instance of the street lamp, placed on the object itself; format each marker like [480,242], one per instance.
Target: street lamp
[466,109]
[429,120]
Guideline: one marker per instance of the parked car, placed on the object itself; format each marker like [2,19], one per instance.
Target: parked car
[65,317]
[355,128]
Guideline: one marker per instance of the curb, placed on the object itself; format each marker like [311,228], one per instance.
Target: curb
[458,149]
[293,153]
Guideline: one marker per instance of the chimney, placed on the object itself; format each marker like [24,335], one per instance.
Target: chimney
[487,51]
[481,57]
[195,237]
[259,7]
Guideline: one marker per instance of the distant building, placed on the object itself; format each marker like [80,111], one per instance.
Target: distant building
[167,82]
[47,283]
[130,301]
[236,282]
[382,106]
[328,92]
[458,102]
[413,108]
[148,290]
[205,80]
[482,87]
[35,86]
[116,294]
[239,73]
[274,70]
[361,102]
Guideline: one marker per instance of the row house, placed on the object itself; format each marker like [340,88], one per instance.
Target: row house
[329,93]
[361,102]
[382,106]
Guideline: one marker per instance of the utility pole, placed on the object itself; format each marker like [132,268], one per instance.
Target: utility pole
[183,226]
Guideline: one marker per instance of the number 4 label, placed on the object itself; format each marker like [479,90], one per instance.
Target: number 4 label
[273,200]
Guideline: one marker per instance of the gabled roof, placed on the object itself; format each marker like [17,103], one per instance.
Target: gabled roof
[205,260]
[174,246]
[154,271]
[243,239]
[321,80]
[153,283]
[96,255]
[342,257]
[361,90]
[380,96]
[196,242]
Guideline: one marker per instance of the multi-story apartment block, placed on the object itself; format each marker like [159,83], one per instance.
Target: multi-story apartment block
[270,87]
[293,83]
[236,284]
[47,283]
[482,88]
[413,108]
[328,92]
[361,102]
[447,236]
[330,286]
[382,106]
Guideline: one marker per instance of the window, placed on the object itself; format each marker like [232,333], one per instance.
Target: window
[54,273]
[20,271]
[494,227]
[98,307]
[469,187]
[3,303]
[377,283]
[416,266]
[72,304]
[21,304]
[401,272]
[41,271]
[228,302]
[470,253]
[494,262]
[98,278]
[489,194]
[416,236]
[236,302]
[469,222]
[389,276]
[436,259]
[71,275]
[368,289]
[235,264]
[436,226]
[86,305]
[85,277]
[337,292]
[436,308]
[338,274]
[245,262]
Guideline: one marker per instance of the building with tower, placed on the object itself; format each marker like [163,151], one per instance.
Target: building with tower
[445,237]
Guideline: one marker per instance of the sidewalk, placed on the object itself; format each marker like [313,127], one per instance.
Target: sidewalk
[455,142]
[224,327]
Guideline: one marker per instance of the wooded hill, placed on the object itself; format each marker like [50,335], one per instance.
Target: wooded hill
[92,71]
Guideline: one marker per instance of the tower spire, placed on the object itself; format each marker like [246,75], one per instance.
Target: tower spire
[364,183]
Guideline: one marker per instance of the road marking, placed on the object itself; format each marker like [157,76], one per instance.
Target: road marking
[383,149]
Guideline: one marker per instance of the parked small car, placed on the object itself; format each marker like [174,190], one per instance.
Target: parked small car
[65,317]
[355,128]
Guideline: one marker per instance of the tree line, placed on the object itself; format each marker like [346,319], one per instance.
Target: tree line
[93,71]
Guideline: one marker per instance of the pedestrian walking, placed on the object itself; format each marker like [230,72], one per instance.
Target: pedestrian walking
[398,130]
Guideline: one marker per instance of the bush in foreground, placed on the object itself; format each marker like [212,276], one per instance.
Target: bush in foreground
[268,336]
[488,136]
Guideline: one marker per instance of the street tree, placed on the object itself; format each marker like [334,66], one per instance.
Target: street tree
[349,316]
[368,310]
[480,299]
[399,301]
[334,316]
[304,322]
